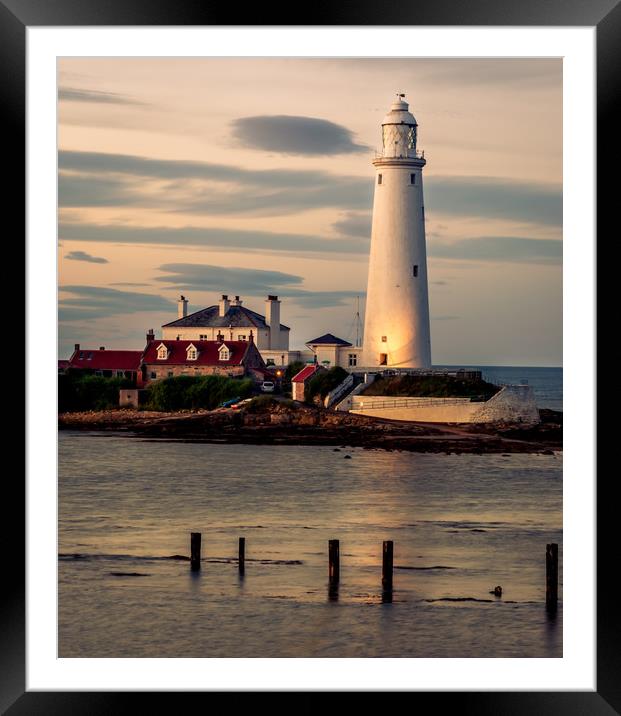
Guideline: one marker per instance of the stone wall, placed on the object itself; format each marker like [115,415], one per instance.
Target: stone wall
[164,371]
[512,404]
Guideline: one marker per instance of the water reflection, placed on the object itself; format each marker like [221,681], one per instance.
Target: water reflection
[387,596]
[460,523]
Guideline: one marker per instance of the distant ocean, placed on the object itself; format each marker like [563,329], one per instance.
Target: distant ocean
[547,383]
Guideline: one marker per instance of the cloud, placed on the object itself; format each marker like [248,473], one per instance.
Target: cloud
[75,190]
[224,239]
[128,283]
[295,135]
[251,282]
[496,198]
[205,277]
[513,249]
[70,94]
[83,256]
[91,302]
[353,224]
[99,179]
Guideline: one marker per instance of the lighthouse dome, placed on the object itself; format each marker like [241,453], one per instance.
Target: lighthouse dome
[399,113]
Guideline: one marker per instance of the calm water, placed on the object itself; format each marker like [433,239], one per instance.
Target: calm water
[461,525]
[547,383]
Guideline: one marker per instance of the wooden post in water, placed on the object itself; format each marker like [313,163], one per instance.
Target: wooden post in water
[195,551]
[334,566]
[551,576]
[242,554]
[387,566]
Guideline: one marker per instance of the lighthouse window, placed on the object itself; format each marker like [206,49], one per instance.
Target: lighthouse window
[379,178]
[415,270]
[412,178]
[383,359]
[384,339]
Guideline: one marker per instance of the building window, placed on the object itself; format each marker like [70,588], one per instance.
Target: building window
[153,375]
[379,178]
[170,374]
[162,353]
[120,374]
[192,354]
[99,372]
[270,361]
[412,178]
[415,270]
[81,355]
[353,359]
[383,359]
[241,338]
[202,337]
[224,353]
[384,339]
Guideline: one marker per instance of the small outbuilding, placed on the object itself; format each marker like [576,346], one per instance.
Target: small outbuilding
[299,380]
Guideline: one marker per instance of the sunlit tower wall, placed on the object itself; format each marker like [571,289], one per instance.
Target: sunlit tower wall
[396,327]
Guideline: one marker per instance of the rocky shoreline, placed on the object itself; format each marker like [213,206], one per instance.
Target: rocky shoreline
[283,425]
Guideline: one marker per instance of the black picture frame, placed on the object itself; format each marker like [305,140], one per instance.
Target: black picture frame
[15,17]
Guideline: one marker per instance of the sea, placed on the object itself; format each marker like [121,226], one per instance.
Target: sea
[460,526]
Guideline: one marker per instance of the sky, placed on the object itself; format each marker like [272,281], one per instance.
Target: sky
[251,177]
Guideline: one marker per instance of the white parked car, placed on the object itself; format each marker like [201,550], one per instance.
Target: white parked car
[267,386]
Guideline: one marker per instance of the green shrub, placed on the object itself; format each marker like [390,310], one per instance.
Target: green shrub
[185,392]
[322,383]
[77,391]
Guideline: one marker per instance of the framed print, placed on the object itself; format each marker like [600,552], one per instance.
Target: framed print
[292,431]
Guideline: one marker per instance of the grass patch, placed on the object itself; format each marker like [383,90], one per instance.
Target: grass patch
[432,386]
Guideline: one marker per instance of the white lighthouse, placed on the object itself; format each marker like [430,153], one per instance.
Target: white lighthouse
[396,327]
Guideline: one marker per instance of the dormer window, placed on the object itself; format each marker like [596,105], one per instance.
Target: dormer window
[192,353]
[224,353]
[162,352]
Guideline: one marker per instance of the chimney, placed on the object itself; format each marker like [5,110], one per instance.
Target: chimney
[150,335]
[102,348]
[182,307]
[236,302]
[251,337]
[76,347]
[224,305]
[272,319]
[220,337]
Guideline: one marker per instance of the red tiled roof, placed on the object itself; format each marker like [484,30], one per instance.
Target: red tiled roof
[105,360]
[207,352]
[305,373]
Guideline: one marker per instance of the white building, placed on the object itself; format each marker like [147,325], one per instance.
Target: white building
[230,320]
[396,328]
[331,351]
